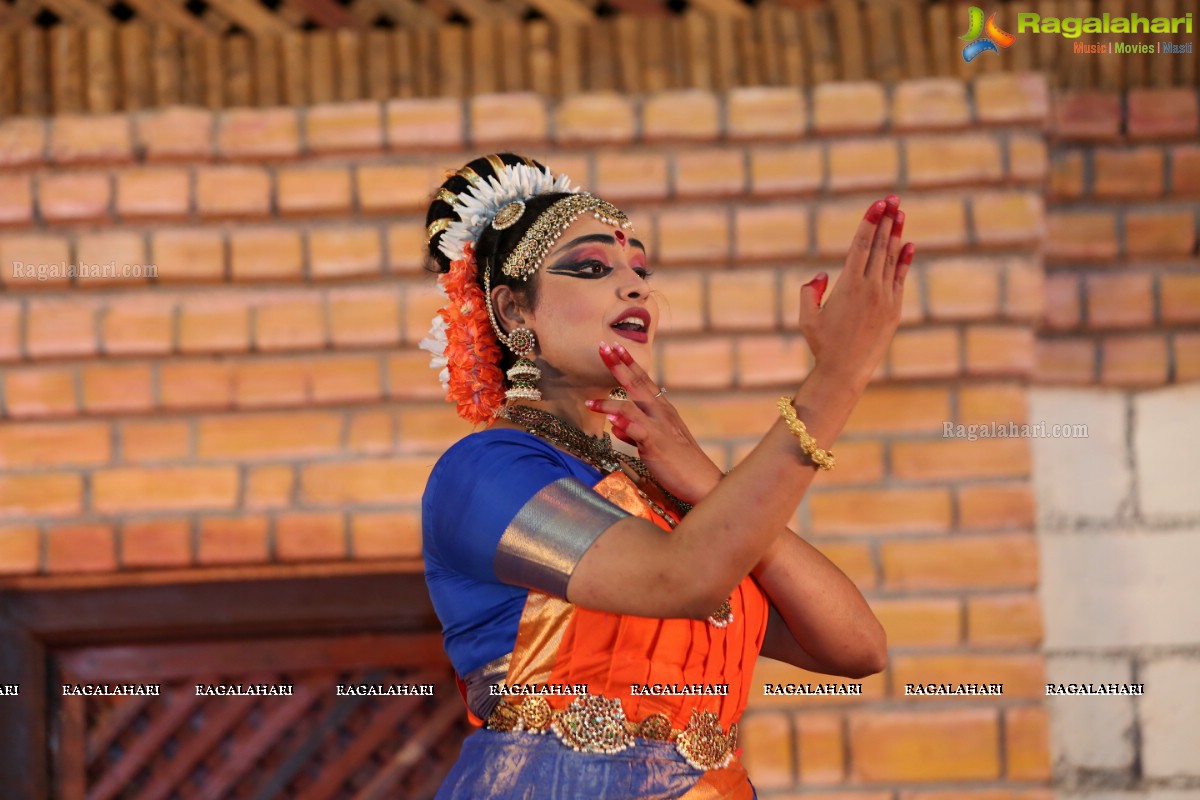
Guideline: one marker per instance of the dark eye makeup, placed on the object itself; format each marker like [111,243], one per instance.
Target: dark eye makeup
[590,268]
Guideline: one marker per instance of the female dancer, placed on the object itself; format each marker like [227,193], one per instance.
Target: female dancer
[618,603]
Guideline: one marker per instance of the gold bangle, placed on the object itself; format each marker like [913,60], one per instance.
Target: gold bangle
[822,458]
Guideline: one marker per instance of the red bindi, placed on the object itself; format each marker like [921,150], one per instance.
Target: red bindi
[620,234]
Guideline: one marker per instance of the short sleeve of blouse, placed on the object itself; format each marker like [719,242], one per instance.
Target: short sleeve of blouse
[504,506]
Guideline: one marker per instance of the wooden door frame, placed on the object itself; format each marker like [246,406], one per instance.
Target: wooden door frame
[35,622]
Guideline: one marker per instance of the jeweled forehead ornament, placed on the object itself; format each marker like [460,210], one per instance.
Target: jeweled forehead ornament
[542,235]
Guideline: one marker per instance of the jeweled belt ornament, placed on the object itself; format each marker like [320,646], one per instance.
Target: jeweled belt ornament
[597,724]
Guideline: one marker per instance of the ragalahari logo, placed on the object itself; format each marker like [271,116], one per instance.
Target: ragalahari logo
[984,38]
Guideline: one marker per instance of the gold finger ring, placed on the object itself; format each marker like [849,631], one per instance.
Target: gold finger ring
[661,392]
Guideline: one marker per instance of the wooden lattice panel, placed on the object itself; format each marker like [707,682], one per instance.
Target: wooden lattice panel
[313,744]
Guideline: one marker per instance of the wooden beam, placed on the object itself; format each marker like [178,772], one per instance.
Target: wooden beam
[80,12]
[327,13]
[251,16]
[168,15]
[730,9]
[565,11]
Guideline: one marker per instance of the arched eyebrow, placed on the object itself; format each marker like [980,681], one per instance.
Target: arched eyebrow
[600,238]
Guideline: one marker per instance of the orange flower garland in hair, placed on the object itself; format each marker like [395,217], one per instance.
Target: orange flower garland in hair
[476,384]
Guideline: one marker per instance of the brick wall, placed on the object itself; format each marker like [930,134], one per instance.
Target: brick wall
[261,401]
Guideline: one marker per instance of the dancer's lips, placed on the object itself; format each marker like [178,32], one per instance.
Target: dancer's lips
[634,324]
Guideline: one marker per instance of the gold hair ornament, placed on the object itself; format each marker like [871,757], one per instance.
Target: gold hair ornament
[527,256]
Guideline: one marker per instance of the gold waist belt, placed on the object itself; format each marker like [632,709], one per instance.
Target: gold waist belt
[596,724]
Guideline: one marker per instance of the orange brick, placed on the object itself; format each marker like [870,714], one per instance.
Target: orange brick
[916,622]
[681,115]
[20,549]
[41,495]
[960,159]
[1120,301]
[760,112]
[771,232]
[245,437]
[131,489]
[769,671]
[742,300]
[1180,297]
[1027,744]
[160,543]
[364,317]
[40,392]
[1139,360]
[266,254]
[188,255]
[175,133]
[1128,173]
[853,559]
[859,462]
[1066,175]
[22,141]
[1087,115]
[768,749]
[258,133]
[711,172]
[153,193]
[1081,235]
[786,169]
[863,164]
[110,258]
[16,200]
[429,429]
[1027,158]
[631,176]
[424,124]
[963,289]
[930,103]
[34,260]
[233,540]
[988,505]
[214,323]
[986,794]
[680,295]
[344,127]
[1185,169]
[345,379]
[345,251]
[74,196]
[1063,301]
[836,226]
[594,118]
[91,138]
[1010,620]
[386,535]
[308,190]
[960,458]
[396,187]
[1000,560]
[80,548]
[577,165]
[155,440]
[1008,218]
[988,402]
[10,331]
[410,377]
[1163,233]
[115,388]
[233,191]
[258,384]
[959,744]
[1163,113]
[931,222]
[406,250]
[847,106]
[289,322]
[372,432]
[771,360]
[195,384]
[1024,289]
[1066,361]
[1187,356]
[502,120]
[60,327]
[924,353]
[1011,97]
[270,487]
[697,363]
[693,234]
[820,748]
[879,511]
[1000,350]
[309,537]
[48,444]
[1022,675]
[900,410]
[367,481]
[137,325]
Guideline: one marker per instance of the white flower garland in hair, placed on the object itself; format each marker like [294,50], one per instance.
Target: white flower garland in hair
[435,344]
[479,204]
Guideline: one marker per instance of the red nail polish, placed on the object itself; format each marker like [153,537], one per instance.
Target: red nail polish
[898,225]
[907,255]
[875,212]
